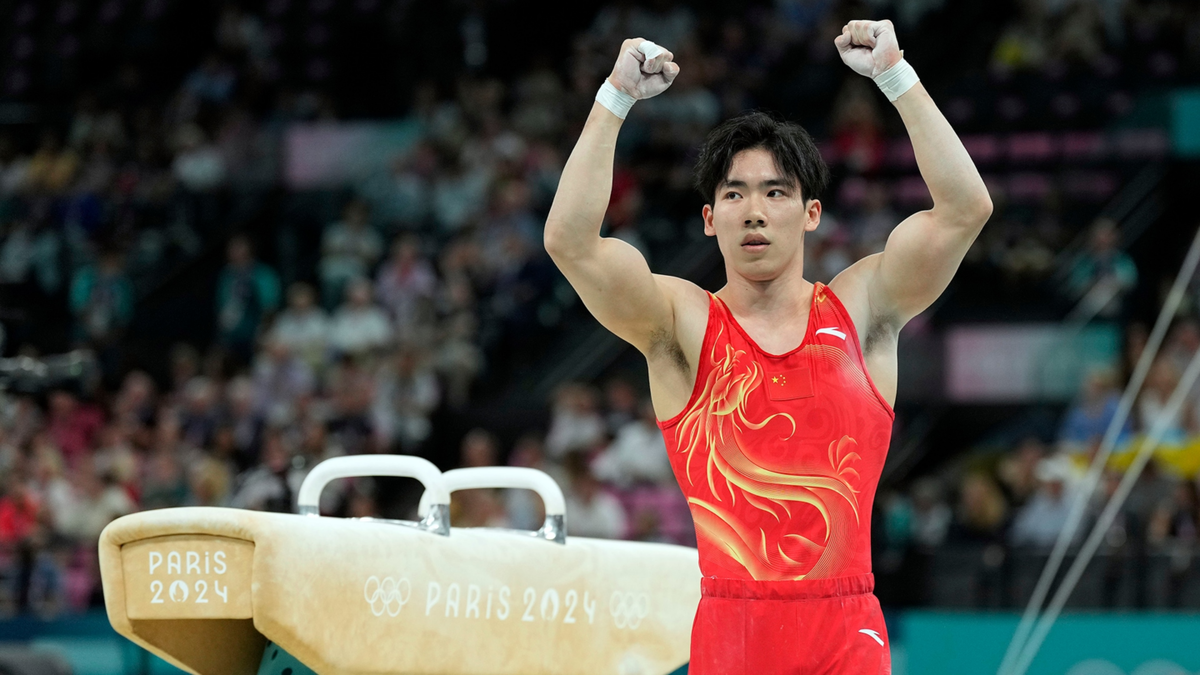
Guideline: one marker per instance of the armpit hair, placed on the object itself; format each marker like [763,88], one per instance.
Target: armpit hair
[663,344]
[882,330]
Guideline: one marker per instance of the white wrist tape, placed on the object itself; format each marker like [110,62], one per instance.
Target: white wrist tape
[617,101]
[896,80]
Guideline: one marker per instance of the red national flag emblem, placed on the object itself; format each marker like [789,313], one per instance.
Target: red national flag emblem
[789,384]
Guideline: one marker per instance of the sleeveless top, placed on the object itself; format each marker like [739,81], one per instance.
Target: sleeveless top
[779,456]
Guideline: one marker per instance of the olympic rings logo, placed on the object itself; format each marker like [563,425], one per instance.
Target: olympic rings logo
[628,609]
[388,595]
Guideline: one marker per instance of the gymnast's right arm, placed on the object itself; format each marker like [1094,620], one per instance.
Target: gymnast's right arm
[610,276]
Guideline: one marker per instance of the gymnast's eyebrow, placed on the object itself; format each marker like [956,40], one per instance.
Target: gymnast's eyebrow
[770,182]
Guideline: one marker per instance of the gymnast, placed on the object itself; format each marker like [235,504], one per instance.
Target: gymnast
[774,394]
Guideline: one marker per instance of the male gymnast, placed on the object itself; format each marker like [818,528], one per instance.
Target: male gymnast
[774,394]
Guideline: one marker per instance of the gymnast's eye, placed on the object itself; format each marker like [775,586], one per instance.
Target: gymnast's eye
[731,195]
[779,193]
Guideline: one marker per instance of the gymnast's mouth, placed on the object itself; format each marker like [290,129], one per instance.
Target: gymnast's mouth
[755,242]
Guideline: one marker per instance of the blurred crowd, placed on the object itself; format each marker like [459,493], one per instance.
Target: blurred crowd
[418,287]
[1014,499]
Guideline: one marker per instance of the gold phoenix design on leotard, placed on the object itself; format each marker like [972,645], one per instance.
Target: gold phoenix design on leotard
[715,429]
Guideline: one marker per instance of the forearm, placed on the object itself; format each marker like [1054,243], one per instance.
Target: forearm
[951,176]
[584,189]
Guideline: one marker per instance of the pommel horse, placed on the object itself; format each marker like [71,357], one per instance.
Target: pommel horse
[219,591]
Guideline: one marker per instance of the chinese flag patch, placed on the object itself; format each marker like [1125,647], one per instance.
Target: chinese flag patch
[790,384]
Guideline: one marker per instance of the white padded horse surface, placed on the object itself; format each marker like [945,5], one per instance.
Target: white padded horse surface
[204,588]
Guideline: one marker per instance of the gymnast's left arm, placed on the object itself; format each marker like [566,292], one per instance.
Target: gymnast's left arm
[924,251]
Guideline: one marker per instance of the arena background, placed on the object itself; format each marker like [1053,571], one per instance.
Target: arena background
[287,230]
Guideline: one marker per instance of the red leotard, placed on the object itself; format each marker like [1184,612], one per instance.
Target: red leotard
[779,457]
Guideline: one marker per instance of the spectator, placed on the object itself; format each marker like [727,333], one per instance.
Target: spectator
[931,517]
[1018,471]
[245,418]
[460,193]
[591,511]
[73,425]
[637,454]
[458,358]
[350,389]
[1039,521]
[19,513]
[982,513]
[303,327]
[349,249]
[31,252]
[165,483]
[273,483]
[477,508]
[406,286]
[208,483]
[136,403]
[200,414]
[575,423]
[1173,528]
[199,166]
[52,168]
[1177,517]
[479,448]
[99,500]
[118,457]
[102,301]
[23,536]
[1102,275]
[359,327]
[401,197]
[406,395]
[622,404]
[1152,403]
[280,379]
[247,296]
[1089,416]
[50,487]
[185,365]
[212,82]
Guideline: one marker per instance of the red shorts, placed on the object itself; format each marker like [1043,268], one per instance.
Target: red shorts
[818,627]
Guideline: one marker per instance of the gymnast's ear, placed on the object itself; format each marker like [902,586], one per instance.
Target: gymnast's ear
[812,214]
[707,214]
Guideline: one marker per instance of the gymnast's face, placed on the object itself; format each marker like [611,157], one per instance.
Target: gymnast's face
[759,218]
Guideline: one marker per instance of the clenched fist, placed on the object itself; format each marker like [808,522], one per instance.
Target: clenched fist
[643,75]
[868,47]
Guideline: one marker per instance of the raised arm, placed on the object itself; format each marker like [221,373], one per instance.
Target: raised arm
[610,276]
[924,251]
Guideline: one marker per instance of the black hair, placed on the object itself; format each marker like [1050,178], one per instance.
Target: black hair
[795,153]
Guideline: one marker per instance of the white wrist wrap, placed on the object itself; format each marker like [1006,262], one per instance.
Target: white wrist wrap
[617,101]
[896,80]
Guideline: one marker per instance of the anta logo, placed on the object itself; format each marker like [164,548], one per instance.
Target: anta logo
[831,331]
[873,634]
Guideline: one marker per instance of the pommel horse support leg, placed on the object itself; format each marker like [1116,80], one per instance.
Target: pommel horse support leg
[206,588]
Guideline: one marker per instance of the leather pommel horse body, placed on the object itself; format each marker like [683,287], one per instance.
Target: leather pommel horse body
[207,588]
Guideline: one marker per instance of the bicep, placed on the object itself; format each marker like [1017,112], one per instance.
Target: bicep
[617,287]
[921,256]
